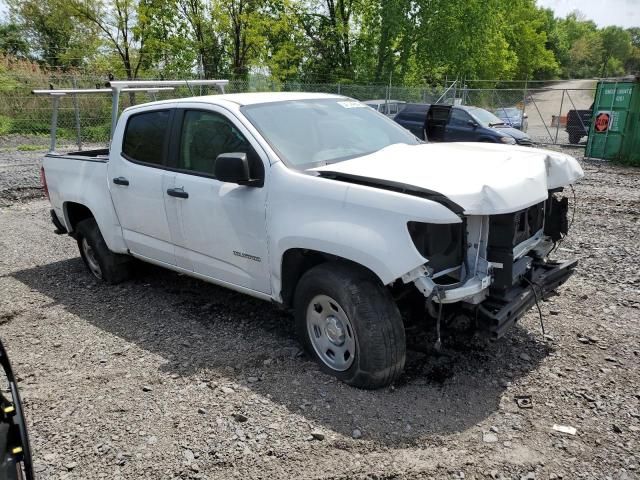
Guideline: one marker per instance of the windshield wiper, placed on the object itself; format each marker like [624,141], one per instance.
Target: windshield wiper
[496,124]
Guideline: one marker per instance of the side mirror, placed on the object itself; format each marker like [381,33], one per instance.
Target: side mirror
[232,168]
[472,124]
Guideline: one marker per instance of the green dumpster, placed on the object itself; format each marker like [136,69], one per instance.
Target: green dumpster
[614,133]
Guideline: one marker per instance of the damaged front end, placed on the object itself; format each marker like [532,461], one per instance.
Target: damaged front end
[492,268]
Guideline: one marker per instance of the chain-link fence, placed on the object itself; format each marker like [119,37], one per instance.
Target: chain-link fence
[85,119]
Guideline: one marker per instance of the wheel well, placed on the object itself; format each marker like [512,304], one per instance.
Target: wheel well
[76,212]
[297,261]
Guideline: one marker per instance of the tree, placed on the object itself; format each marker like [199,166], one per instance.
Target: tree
[632,64]
[327,25]
[170,50]
[12,41]
[207,35]
[120,29]
[616,48]
[525,30]
[56,38]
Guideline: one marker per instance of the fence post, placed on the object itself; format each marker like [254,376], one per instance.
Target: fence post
[54,123]
[76,111]
[559,115]
[524,99]
[338,89]
[115,100]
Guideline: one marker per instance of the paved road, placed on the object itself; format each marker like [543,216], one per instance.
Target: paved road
[557,99]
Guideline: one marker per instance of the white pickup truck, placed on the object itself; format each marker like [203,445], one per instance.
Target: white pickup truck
[323,206]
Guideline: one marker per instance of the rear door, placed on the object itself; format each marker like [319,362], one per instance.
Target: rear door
[436,124]
[223,226]
[138,180]
[413,119]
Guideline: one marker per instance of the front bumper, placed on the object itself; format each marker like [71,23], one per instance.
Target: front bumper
[498,313]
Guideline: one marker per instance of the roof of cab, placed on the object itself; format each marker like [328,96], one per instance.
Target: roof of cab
[241,99]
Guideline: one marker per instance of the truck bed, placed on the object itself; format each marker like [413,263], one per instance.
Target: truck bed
[99,154]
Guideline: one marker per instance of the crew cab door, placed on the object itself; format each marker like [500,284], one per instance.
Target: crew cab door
[138,180]
[223,233]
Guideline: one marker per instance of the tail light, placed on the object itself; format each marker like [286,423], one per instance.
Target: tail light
[43,181]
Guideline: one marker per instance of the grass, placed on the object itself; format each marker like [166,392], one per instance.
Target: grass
[29,148]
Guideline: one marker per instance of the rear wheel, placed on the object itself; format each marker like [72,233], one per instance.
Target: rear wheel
[574,138]
[101,262]
[349,323]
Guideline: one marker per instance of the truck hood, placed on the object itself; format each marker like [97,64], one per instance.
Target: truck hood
[483,179]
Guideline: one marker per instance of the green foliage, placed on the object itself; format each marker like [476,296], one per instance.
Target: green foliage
[410,42]
[6,125]
[29,148]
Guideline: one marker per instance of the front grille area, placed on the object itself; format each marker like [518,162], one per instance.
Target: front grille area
[505,232]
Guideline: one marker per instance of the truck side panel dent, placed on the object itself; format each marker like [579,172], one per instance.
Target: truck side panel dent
[362,224]
[85,187]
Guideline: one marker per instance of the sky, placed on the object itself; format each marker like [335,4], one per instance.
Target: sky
[624,13]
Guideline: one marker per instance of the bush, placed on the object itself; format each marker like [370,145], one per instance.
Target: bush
[98,133]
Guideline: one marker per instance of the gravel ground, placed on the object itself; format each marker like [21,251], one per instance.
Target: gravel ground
[167,377]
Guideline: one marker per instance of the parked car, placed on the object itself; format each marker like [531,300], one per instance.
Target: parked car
[578,123]
[333,212]
[513,117]
[389,107]
[447,123]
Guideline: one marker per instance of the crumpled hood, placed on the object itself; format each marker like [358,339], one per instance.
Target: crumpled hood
[484,179]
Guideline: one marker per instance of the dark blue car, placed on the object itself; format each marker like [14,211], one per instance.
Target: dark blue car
[458,123]
[514,117]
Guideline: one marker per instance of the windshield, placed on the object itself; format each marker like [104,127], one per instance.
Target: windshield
[307,133]
[508,112]
[484,117]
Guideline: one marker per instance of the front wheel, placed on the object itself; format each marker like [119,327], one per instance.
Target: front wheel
[349,323]
[101,262]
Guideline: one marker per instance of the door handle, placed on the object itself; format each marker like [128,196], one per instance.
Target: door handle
[177,192]
[121,181]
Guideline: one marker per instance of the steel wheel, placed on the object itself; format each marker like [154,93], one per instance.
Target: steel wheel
[331,333]
[92,261]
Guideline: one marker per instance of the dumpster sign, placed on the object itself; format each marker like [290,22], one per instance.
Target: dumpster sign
[603,121]
[606,120]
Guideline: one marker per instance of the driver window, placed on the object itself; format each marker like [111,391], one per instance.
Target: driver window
[205,135]
[459,118]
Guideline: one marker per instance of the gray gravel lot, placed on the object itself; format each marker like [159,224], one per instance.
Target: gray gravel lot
[168,377]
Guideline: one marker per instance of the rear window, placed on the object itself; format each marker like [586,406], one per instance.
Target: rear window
[416,113]
[145,136]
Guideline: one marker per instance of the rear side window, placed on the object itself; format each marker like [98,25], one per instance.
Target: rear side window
[415,113]
[145,137]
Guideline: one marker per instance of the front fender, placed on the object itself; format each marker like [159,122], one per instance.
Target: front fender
[363,224]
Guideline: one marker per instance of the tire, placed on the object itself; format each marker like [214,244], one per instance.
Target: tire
[574,138]
[344,310]
[100,261]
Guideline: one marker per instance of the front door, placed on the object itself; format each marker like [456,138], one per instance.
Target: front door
[459,128]
[223,225]
[138,182]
